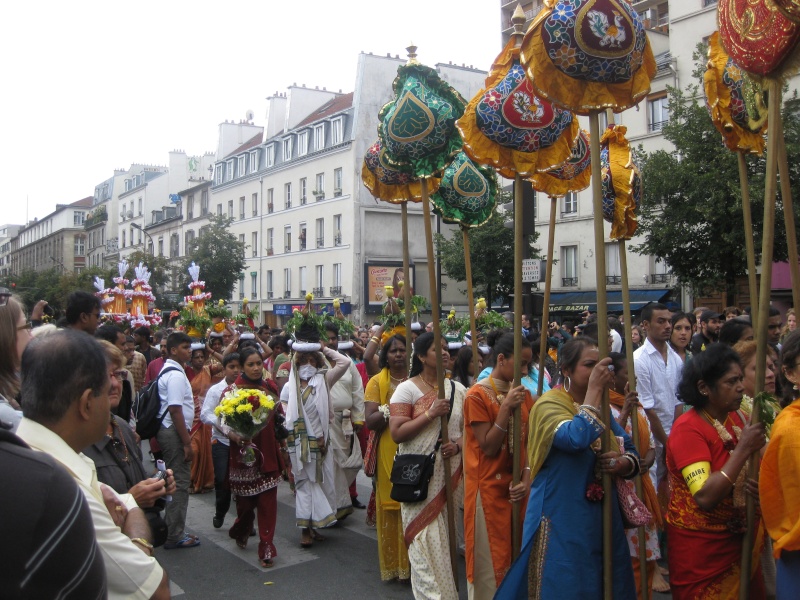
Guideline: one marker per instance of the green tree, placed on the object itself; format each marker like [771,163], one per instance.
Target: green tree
[691,211]
[159,267]
[491,252]
[220,256]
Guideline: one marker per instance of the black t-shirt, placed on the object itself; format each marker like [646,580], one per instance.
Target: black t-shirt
[47,539]
[699,343]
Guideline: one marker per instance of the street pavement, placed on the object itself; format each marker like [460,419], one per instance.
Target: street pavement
[345,566]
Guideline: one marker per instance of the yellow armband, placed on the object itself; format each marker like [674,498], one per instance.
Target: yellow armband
[695,475]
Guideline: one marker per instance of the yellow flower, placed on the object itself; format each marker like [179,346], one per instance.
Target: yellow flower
[219,327]
[190,304]
[452,314]
[221,302]
[245,301]
[389,290]
[481,303]
[243,408]
[400,284]
[218,410]
[309,297]
[336,303]
[228,410]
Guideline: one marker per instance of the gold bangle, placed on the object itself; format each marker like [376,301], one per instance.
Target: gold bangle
[142,542]
[726,476]
[374,339]
[428,415]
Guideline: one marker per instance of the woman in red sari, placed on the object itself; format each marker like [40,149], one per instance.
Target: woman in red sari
[256,486]
[707,452]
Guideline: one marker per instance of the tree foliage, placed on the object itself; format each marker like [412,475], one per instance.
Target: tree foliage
[691,212]
[220,256]
[491,252]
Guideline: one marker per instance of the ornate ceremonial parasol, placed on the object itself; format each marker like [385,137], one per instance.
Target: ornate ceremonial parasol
[588,56]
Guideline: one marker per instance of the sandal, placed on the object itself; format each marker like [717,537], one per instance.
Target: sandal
[317,537]
[306,539]
[188,541]
[266,563]
[242,543]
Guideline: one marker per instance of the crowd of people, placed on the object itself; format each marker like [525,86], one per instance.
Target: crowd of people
[343,405]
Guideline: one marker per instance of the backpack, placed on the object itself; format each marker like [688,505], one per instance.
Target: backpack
[148,404]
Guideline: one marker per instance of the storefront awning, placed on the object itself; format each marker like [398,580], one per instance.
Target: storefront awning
[569,302]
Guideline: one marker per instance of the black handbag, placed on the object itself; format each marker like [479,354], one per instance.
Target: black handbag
[411,473]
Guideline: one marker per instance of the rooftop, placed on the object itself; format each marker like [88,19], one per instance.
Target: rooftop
[331,107]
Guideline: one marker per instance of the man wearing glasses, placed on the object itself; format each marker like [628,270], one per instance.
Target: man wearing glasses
[83,312]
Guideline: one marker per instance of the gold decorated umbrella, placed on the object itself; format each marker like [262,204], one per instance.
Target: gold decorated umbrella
[588,56]
[763,42]
[738,111]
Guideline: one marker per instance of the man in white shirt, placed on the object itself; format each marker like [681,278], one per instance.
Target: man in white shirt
[177,406]
[220,436]
[66,408]
[658,372]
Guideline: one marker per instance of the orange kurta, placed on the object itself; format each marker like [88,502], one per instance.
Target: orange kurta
[202,472]
[490,477]
[779,482]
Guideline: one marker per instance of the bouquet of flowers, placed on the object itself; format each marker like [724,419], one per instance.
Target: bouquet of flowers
[246,412]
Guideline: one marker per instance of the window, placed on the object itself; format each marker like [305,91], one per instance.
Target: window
[241,286]
[270,160]
[302,143]
[337,126]
[161,246]
[204,203]
[123,238]
[219,210]
[337,230]
[174,246]
[613,272]
[242,166]
[570,204]
[319,137]
[302,236]
[124,211]
[229,170]
[254,200]
[337,275]
[190,207]
[303,190]
[303,282]
[270,240]
[319,190]
[254,285]
[255,243]
[188,241]
[320,233]
[270,200]
[659,270]
[658,113]
[287,195]
[242,242]
[218,173]
[287,283]
[337,182]
[320,276]
[569,266]
[269,285]
[79,245]
[230,209]
[287,238]
[287,149]
[140,207]
[78,217]
[254,161]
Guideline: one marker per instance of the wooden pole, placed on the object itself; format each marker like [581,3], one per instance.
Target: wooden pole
[471,303]
[626,313]
[788,217]
[406,283]
[749,240]
[767,246]
[548,284]
[437,342]
[516,433]
[602,342]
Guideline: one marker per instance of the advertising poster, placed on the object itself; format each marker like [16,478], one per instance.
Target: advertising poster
[378,275]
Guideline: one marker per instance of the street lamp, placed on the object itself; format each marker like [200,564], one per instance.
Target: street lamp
[152,245]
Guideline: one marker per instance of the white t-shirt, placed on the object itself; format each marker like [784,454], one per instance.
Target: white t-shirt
[175,390]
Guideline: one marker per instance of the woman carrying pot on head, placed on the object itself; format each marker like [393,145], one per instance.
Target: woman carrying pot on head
[308,413]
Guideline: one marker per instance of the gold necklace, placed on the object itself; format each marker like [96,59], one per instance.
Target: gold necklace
[433,387]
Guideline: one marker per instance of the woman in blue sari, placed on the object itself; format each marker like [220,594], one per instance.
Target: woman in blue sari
[562,540]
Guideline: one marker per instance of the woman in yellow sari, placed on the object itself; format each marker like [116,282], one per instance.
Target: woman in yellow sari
[392,553]
[415,425]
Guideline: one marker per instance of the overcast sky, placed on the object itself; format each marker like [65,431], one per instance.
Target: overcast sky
[94,86]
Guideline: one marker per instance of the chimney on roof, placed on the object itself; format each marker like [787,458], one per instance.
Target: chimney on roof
[388,55]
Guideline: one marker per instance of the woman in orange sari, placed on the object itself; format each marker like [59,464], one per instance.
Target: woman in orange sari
[488,465]
[202,374]
[623,403]
[707,452]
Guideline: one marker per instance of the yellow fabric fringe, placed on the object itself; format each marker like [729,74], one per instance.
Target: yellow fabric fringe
[623,171]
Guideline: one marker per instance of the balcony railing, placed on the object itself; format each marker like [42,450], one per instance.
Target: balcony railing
[569,282]
[656,126]
[318,292]
[269,295]
[659,277]
[287,294]
[288,204]
[287,249]
[613,279]
[303,200]
[270,208]
[302,293]
[320,242]
[336,290]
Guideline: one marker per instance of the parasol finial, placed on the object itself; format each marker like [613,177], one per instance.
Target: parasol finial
[518,21]
[412,54]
